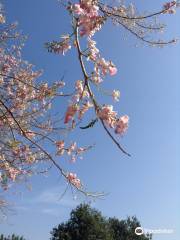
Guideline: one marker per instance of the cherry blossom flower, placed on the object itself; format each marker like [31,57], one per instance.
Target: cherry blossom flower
[13,173]
[96,76]
[88,17]
[60,147]
[81,150]
[169,7]
[71,148]
[112,70]
[84,109]
[79,86]
[93,51]
[122,125]
[72,178]
[30,135]
[81,91]
[77,9]
[106,67]
[107,114]
[90,25]
[71,111]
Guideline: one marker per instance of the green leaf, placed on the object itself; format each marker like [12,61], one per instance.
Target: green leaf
[90,125]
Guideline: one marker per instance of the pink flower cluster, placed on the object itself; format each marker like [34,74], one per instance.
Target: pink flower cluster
[101,68]
[74,107]
[73,150]
[24,104]
[93,51]
[109,116]
[88,17]
[70,112]
[60,147]
[122,125]
[24,152]
[81,92]
[72,178]
[170,7]
[13,173]
[7,171]
[85,107]
[106,67]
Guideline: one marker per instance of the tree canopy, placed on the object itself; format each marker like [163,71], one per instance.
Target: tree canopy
[86,223]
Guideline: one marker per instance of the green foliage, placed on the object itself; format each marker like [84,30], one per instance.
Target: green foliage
[86,223]
[125,229]
[91,124]
[12,237]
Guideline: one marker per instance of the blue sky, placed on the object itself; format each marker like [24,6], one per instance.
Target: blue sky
[145,185]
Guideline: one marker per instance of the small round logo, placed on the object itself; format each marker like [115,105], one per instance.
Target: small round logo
[139,231]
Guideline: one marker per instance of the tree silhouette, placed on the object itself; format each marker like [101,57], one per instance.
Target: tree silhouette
[86,223]
[12,237]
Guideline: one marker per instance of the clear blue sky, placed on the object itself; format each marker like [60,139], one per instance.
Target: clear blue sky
[145,185]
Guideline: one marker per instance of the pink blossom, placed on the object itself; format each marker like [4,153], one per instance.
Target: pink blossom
[89,19]
[93,51]
[96,76]
[79,86]
[84,109]
[76,98]
[30,135]
[89,25]
[71,148]
[105,67]
[80,150]
[122,125]
[72,177]
[13,173]
[71,111]
[107,114]
[77,9]
[81,91]
[112,70]
[60,146]
[169,7]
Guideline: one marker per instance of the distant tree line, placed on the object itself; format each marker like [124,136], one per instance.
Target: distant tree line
[86,223]
[12,237]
